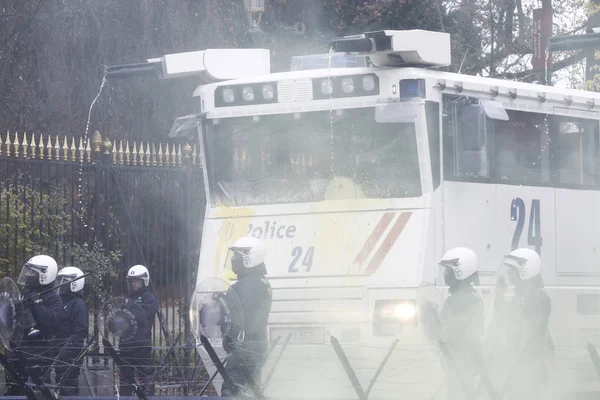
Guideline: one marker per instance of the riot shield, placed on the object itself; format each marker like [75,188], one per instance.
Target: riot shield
[11,308]
[120,320]
[216,311]
[429,305]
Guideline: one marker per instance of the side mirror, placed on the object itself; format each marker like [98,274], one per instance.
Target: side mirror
[184,125]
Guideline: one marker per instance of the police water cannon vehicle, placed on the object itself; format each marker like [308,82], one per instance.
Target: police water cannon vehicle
[359,169]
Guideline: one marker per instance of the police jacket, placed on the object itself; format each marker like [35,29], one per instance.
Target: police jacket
[145,316]
[45,313]
[521,332]
[73,320]
[527,318]
[254,292]
[462,319]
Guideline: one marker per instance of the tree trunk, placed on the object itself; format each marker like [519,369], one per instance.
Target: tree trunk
[521,17]
[508,22]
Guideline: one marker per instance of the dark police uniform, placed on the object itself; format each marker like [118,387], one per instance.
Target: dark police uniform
[37,351]
[524,320]
[246,357]
[71,330]
[136,352]
[463,326]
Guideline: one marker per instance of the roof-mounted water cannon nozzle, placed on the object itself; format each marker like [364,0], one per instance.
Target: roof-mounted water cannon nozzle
[353,44]
[211,65]
[399,48]
[132,70]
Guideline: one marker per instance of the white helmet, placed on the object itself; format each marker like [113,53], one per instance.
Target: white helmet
[462,261]
[526,261]
[39,270]
[68,274]
[139,272]
[251,249]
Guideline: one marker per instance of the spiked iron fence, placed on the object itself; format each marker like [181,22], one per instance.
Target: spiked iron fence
[125,202]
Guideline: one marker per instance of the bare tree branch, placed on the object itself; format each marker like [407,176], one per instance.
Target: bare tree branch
[556,67]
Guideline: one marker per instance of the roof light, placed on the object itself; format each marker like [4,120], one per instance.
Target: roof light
[412,88]
[345,86]
[268,92]
[228,95]
[248,93]
[368,83]
[348,85]
[326,86]
[236,95]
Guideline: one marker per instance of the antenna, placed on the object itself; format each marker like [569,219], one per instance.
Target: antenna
[463,60]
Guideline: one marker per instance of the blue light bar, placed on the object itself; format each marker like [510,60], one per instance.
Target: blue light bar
[321,61]
[412,88]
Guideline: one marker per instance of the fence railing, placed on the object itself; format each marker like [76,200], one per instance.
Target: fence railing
[122,152]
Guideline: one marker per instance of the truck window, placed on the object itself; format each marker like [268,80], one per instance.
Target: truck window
[310,157]
[432,111]
[575,151]
[518,148]
[466,148]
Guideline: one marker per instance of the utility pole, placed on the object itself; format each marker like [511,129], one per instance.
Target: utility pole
[542,32]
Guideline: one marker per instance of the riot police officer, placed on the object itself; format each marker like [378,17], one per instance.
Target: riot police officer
[246,352]
[136,352]
[524,320]
[461,321]
[71,331]
[37,314]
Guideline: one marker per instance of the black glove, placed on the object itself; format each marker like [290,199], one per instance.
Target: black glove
[32,297]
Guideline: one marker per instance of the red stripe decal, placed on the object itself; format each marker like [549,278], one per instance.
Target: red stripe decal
[374,238]
[388,242]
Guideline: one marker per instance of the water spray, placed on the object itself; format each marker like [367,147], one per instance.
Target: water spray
[82,149]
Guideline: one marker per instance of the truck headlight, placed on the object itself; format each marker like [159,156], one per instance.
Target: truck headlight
[405,311]
[390,316]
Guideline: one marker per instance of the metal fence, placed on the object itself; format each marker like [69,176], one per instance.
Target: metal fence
[105,206]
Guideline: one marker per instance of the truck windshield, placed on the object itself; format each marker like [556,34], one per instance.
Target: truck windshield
[310,157]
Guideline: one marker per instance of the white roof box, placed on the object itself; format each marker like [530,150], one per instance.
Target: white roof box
[399,48]
[215,64]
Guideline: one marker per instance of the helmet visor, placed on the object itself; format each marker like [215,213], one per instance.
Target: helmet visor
[30,274]
[514,264]
[62,280]
[227,266]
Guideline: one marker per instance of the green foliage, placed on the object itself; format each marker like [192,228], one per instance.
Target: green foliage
[31,222]
[95,260]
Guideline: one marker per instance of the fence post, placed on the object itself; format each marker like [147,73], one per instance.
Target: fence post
[98,170]
[187,171]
